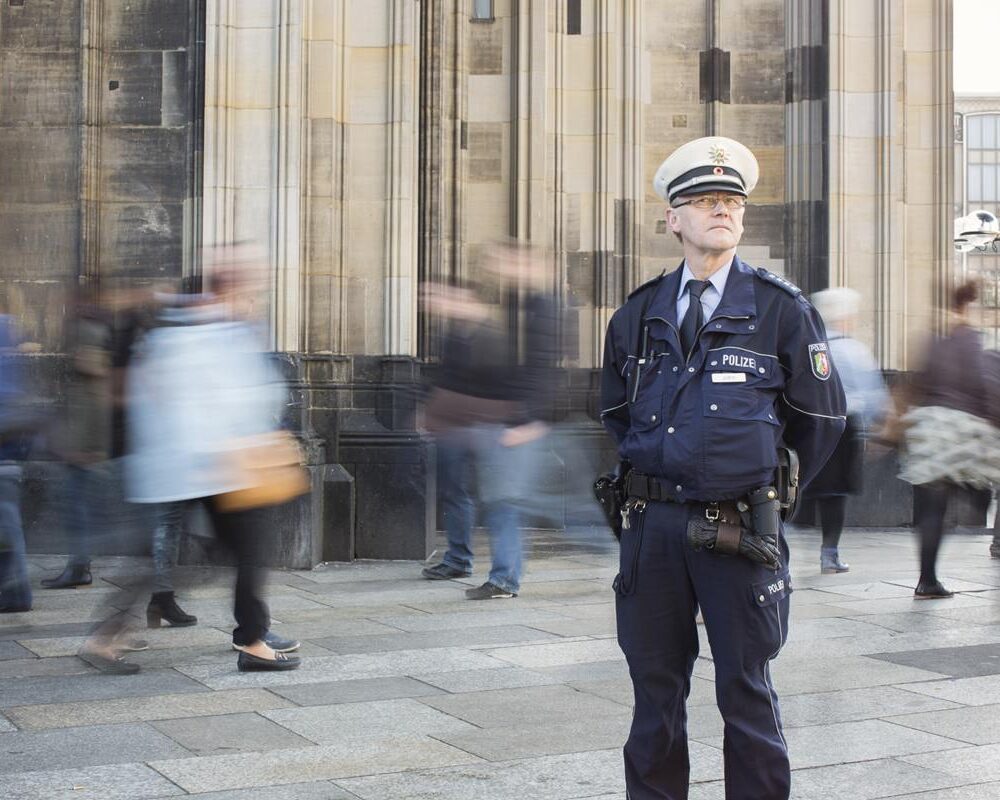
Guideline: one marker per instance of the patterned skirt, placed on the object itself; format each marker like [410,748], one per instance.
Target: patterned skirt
[945,444]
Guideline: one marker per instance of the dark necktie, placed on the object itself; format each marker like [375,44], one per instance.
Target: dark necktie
[694,318]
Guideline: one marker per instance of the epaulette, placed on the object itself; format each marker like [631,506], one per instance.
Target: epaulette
[779,281]
[650,282]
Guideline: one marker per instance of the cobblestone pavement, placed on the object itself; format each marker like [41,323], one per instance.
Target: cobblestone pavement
[410,691]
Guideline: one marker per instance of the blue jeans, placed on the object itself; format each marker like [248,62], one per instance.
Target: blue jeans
[504,474]
[15,589]
[166,540]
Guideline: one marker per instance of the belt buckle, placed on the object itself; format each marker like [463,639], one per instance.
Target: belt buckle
[712,512]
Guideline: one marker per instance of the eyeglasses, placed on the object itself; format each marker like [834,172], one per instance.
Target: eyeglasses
[707,202]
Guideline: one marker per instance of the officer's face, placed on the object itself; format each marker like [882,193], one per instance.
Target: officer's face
[712,230]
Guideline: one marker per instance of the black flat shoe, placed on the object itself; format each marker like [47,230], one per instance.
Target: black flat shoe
[76,575]
[109,666]
[931,591]
[251,663]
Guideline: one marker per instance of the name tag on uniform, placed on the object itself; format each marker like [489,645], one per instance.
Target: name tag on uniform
[729,377]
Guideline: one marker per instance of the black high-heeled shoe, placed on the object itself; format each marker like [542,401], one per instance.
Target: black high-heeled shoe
[73,575]
[163,608]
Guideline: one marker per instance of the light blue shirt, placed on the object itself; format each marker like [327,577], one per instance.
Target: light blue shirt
[710,298]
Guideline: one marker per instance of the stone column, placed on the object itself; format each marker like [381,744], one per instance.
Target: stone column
[891,167]
[253,87]
[806,137]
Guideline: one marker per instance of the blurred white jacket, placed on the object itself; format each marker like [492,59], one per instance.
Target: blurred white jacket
[197,388]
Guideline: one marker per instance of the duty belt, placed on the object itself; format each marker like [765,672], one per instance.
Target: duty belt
[724,513]
[647,487]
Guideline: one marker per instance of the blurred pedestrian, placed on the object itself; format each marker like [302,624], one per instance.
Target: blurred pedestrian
[85,434]
[203,396]
[952,441]
[17,424]
[867,404]
[491,395]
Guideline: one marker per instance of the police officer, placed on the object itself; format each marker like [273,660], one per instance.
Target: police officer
[707,371]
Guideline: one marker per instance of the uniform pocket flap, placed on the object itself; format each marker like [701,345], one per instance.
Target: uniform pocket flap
[769,592]
[740,404]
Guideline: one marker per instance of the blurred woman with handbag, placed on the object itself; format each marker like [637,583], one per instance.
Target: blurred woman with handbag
[204,409]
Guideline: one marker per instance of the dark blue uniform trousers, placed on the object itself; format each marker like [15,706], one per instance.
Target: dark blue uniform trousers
[661,585]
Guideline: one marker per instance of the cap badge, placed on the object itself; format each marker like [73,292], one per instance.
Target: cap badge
[718,155]
[718,170]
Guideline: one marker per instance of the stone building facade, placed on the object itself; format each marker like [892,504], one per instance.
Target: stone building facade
[375,144]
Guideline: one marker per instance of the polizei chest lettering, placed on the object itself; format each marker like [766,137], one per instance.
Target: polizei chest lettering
[744,362]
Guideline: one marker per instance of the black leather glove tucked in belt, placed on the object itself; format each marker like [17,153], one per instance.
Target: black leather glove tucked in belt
[723,530]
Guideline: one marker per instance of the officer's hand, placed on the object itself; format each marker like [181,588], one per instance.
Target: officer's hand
[762,549]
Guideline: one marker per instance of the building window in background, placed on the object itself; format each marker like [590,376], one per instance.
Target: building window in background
[982,191]
[573,17]
[482,10]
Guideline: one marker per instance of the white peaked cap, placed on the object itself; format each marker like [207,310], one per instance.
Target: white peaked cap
[712,163]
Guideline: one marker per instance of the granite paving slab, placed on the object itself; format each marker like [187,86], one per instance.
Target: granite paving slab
[30,630]
[867,740]
[417,622]
[375,718]
[911,622]
[590,671]
[230,733]
[12,650]
[985,614]
[467,637]
[579,627]
[893,605]
[981,763]
[544,738]
[559,654]
[532,705]
[41,667]
[830,628]
[109,782]
[974,724]
[347,667]
[341,760]
[318,790]
[162,638]
[982,691]
[808,676]
[957,662]
[94,686]
[976,791]
[144,709]
[67,749]
[560,777]
[360,691]
[483,679]
[866,780]
[849,705]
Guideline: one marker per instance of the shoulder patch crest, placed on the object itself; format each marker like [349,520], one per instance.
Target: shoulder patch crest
[650,282]
[779,281]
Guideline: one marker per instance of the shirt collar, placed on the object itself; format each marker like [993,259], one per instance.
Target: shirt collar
[718,279]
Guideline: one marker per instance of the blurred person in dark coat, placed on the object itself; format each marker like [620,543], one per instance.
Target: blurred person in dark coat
[491,395]
[85,434]
[951,438]
[867,404]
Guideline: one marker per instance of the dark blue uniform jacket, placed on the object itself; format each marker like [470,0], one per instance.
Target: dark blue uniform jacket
[759,375]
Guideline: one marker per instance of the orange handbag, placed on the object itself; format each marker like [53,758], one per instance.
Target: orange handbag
[271,464]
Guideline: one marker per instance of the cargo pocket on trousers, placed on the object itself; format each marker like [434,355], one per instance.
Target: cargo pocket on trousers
[769,592]
[630,549]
